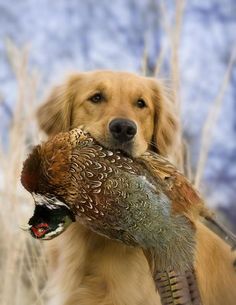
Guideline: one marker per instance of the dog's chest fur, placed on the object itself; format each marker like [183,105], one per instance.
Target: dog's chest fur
[97,271]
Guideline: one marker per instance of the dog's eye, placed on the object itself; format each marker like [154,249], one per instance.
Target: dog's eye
[97,98]
[141,103]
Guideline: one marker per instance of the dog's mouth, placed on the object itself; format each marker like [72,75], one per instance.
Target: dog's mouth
[126,147]
[131,148]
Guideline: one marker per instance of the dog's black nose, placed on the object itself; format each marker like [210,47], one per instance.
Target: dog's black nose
[122,130]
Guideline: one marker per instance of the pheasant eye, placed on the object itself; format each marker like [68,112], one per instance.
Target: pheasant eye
[141,103]
[97,98]
[40,229]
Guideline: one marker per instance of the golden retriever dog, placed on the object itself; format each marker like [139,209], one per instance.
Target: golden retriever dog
[131,113]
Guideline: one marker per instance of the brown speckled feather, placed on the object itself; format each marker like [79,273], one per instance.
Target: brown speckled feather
[142,202]
[185,199]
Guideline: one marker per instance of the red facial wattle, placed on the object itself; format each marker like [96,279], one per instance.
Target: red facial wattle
[40,230]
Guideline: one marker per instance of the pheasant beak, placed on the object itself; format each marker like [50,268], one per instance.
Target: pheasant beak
[25,227]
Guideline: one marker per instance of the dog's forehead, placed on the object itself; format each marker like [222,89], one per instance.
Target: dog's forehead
[115,79]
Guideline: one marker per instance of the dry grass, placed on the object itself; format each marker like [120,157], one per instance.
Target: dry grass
[22,265]
[206,136]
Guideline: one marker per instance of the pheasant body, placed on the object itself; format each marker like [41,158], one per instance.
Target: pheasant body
[142,202]
[115,195]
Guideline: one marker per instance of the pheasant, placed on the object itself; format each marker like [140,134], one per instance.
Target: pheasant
[143,202]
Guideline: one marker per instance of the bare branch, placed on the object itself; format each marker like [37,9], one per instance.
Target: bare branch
[206,136]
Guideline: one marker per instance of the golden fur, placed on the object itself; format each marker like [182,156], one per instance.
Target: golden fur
[87,269]
[69,106]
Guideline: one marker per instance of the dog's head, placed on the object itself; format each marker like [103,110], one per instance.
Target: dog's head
[120,110]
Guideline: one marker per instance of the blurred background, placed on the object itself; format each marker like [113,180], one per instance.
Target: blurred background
[190,44]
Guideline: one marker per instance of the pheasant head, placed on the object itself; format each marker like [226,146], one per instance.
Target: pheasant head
[44,171]
[47,223]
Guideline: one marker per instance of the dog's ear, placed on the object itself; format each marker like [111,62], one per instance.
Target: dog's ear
[166,125]
[55,114]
